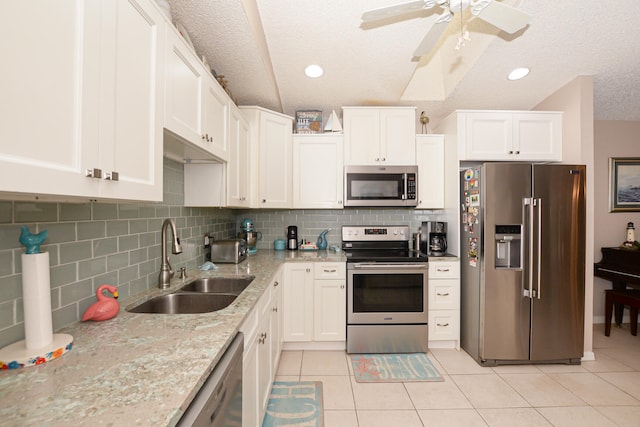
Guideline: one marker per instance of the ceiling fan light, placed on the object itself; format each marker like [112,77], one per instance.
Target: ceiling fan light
[518,73]
[313,71]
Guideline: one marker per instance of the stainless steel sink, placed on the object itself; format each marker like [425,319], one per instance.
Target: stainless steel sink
[184,303]
[217,285]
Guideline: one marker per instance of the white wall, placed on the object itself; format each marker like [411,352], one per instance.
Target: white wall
[612,139]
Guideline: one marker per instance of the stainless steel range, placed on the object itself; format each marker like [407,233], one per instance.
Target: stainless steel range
[386,291]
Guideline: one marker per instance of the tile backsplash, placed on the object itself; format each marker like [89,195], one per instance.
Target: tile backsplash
[94,243]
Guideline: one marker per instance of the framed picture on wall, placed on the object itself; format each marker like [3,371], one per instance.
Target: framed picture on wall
[624,190]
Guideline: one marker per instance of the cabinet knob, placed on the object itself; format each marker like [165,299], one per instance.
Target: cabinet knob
[112,176]
[384,159]
[518,152]
[204,137]
[339,202]
[93,173]
[275,283]
[510,151]
[377,159]
[264,200]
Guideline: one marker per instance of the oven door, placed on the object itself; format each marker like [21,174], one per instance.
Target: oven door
[387,293]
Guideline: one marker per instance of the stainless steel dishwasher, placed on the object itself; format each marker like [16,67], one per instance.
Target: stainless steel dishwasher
[219,401]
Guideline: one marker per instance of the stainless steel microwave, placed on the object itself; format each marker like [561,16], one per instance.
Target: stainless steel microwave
[381,186]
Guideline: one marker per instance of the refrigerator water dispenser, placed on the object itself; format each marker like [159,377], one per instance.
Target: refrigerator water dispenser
[508,246]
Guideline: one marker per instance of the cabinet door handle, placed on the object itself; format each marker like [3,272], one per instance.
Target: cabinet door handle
[275,283]
[341,286]
[112,176]
[443,270]
[275,309]
[308,270]
[444,325]
[330,271]
[93,173]
[339,202]
[443,295]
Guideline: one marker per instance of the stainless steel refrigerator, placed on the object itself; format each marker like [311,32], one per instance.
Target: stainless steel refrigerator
[522,256]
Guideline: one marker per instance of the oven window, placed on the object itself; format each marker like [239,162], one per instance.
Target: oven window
[387,293]
[375,187]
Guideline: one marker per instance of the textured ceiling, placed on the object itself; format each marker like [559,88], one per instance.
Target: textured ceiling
[263,46]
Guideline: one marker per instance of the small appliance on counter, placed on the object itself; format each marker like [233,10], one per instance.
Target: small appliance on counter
[292,238]
[434,238]
[250,235]
[230,251]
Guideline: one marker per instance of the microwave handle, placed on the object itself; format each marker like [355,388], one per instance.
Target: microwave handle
[405,185]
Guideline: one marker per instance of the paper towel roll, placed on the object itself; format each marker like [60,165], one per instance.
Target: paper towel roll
[36,296]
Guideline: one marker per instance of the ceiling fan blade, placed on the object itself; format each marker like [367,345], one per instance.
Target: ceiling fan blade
[504,17]
[433,36]
[391,11]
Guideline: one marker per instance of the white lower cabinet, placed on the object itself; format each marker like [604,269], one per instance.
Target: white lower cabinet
[315,302]
[330,302]
[444,304]
[298,301]
[262,345]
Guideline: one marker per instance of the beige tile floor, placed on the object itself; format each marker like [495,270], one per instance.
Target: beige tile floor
[605,392]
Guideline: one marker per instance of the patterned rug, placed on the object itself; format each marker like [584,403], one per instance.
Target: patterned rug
[295,404]
[393,368]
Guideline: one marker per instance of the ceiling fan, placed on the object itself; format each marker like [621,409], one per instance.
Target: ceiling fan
[500,15]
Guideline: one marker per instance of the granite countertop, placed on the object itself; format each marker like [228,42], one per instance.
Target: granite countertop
[138,369]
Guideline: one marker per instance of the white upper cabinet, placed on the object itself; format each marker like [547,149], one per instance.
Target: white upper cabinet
[431,173]
[317,171]
[271,157]
[86,126]
[196,107]
[238,172]
[509,135]
[379,135]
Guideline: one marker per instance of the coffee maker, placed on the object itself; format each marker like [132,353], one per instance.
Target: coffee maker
[250,235]
[292,237]
[434,238]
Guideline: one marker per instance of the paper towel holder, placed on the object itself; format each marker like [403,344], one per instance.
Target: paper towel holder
[40,344]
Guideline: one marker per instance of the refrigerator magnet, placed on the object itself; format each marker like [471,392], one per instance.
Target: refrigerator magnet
[468,174]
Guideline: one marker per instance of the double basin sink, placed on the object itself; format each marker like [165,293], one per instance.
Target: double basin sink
[203,295]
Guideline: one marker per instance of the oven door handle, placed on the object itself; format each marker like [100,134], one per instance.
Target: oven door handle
[403,266]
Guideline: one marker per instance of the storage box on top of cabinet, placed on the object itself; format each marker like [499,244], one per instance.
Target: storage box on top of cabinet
[81,103]
[379,135]
[506,135]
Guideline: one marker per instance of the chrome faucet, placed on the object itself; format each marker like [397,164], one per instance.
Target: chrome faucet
[165,270]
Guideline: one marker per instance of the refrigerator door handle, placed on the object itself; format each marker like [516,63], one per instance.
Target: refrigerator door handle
[529,203]
[538,204]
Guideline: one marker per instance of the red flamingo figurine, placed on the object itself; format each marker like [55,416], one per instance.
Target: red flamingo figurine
[105,308]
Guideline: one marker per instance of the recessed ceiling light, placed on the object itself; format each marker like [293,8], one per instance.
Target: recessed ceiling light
[313,71]
[518,73]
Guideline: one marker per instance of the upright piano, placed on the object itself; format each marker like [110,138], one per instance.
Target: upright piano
[622,267]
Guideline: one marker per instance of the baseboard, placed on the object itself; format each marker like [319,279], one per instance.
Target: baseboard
[315,345]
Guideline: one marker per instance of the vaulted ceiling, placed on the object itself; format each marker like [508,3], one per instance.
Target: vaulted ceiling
[263,46]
